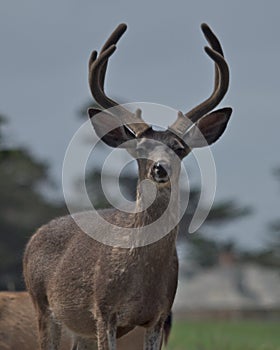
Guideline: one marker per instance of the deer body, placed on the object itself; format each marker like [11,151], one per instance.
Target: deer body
[80,298]
[18,326]
[100,291]
[151,271]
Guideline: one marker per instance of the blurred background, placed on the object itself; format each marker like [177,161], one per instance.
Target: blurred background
[230,268]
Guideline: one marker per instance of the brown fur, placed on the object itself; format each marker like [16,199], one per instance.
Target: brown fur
[70,278]
[17,322]
[18,326]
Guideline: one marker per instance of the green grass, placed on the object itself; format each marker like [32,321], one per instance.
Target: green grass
[225,335]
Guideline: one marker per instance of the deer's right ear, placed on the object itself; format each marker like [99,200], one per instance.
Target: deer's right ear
[109,129]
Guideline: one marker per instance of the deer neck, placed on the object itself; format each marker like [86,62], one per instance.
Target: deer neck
[156,202]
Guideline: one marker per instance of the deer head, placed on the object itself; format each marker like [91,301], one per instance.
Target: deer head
[155,150]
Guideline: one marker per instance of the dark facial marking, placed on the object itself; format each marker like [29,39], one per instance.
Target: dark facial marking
[167,138]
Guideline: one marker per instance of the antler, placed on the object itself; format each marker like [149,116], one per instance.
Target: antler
[183,122]
[97,71]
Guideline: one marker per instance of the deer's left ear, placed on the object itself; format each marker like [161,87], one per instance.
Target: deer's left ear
[208,129]
[109,129]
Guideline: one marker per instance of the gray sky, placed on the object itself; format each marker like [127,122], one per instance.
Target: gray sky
[44,52]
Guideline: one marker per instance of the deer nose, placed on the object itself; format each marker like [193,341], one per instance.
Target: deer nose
[161,171]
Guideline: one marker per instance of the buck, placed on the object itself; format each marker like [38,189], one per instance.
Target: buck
[100,291]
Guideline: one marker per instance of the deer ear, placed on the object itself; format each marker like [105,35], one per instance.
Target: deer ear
[208,129]
[109,129]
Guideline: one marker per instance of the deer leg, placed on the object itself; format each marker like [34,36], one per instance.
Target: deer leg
[153,337]
[49,331]
[75,343]
[112,337]
[84,344]
[106,335]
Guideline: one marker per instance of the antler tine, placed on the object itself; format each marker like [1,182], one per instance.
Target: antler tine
[215,44]
[97,72]
[112,40]
[183,122]
[94,74]
[218,92]
[211,38]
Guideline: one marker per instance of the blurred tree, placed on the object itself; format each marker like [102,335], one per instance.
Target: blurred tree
[274,227]
[204,251]
[270,254]
[23,208]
